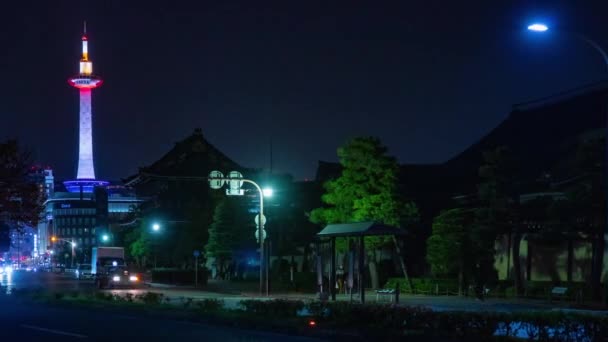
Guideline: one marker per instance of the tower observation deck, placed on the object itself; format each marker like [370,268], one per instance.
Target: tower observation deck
[85,81]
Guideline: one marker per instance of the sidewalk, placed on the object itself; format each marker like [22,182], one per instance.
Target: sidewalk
[436,303]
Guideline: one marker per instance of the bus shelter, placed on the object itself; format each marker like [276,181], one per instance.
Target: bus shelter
[359,231]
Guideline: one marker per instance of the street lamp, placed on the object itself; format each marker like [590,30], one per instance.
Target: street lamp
[155,229]
[267,192]
[599,253]
[105,238]
[538,27]
[71,242]
[235,181]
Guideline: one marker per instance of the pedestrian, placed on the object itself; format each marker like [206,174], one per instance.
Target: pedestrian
[340,279]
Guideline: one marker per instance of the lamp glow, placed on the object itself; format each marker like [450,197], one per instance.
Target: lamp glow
[156,227]
[267,192]
[538,27]
[105,237]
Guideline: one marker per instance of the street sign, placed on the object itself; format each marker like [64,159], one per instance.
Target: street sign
[257,220]
[196,253]
[235,192]
[235,182]
[257,234]
[215,181]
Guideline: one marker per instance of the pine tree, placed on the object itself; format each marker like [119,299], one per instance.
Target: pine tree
[367,190]
[226,233]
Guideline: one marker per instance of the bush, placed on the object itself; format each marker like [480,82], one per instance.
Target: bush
[210,305]
[151,298]
[390,322]
[275,307]
[424,285]
[305,281]
[179,276]
[187,302]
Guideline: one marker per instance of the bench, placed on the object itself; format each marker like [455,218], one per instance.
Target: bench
[559,292]
[385,292]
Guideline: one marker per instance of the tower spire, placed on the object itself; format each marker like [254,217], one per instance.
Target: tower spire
[85,28]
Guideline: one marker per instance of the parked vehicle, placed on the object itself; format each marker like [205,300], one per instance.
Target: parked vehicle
[83,271]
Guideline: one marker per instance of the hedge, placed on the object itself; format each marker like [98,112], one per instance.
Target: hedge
[384,322]
[424,285]
[179,276]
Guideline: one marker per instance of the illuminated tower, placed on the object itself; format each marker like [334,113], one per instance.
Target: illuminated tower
[85,82]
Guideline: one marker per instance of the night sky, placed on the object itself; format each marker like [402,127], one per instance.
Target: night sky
[429,78]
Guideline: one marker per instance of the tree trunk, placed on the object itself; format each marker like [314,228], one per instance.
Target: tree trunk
[570,260]
[373,270]
[461,278]
[509,254]
[402,264]
[598,246]
[517,281]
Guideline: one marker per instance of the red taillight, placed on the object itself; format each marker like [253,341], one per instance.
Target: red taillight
[312,323]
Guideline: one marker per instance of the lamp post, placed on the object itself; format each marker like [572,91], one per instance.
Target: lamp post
[155,229]
[235,179]
[599,249]
[539,28]
[71,242]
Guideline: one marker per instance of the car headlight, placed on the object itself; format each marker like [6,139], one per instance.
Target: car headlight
[8,269]
[133,278]
[116,278]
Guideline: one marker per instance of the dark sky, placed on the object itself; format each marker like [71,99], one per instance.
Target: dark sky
[427,77]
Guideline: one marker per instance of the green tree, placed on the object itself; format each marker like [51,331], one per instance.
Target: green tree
[450,248]
[367,190]
[584,209]
[20,198]
[228,233]
[139,244]
[497,214]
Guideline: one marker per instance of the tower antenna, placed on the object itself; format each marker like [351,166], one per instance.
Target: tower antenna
[85,27]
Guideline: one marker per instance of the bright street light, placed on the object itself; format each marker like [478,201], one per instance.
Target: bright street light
[73,244]
[538,27]
[267,192]
[105,237]
[156,227]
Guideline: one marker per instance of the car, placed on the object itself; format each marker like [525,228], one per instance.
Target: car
[5,269]
[118,276]
[83,271]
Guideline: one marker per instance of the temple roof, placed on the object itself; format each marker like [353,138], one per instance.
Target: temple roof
[192,157]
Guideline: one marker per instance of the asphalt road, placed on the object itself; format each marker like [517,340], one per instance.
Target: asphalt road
[66,282]
[37,322]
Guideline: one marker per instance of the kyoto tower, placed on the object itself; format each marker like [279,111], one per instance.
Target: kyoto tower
[85,81]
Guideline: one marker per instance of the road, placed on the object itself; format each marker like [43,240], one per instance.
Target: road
[439,303]
[38,322]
